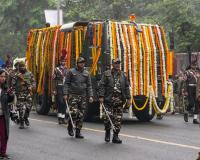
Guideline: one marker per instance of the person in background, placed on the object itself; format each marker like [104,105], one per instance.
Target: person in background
[24,84]
[6,96]
[59,75]
[9,61]
[191,76]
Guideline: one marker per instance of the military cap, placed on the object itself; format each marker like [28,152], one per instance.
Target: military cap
[194,62]
[116,60]
[81,60]
[21,64]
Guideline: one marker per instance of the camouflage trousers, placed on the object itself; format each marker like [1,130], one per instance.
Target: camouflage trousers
[193,103]
[115,111]
[23,109]
[77,106]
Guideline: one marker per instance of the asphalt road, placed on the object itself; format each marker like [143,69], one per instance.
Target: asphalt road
[167,139]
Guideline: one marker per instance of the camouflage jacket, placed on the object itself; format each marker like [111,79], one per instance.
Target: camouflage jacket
[22,82]
[106,86]
[78,83]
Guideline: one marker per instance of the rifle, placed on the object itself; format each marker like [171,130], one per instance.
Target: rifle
[70,116]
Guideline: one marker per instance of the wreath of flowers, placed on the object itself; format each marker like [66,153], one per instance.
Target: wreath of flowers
[137,51]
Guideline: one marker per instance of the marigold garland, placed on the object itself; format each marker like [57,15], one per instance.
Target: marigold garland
[137,51]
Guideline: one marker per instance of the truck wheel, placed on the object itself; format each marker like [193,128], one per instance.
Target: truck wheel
[91,111]
[42,104]
[143,115]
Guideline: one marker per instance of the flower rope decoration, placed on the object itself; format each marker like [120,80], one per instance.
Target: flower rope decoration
[163,60]
[154,60]
[110,36]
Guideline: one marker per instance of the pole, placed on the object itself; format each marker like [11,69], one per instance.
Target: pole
[70,117]
[107,114]
[58,12]
[190,54]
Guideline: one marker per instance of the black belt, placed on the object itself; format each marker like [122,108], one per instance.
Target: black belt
[192,85]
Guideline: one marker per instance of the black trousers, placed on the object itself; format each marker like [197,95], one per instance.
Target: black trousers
[193,103]
[60,103]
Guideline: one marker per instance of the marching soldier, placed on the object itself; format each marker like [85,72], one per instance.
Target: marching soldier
[191,76]
[59,78]
[114,91]
[77,88]
[23,83]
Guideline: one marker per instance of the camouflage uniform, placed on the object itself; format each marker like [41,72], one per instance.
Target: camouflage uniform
[12,105]
[77,109]
[23,82]
[59,78]
[78,87]
[114,87]
[115,105]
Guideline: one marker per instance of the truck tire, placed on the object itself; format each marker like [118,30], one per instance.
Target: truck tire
[91,111]
[42,104]
[143,115]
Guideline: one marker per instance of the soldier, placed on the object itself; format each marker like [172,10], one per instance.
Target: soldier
[77,88]
[114,91]
[59,78]
[23,83]
[9,61]
[191,76]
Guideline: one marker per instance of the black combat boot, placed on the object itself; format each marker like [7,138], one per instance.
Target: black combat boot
[116,139]
[59,120]
[63,121]
[107,135]
[27,122]
[186,117]
[21,124]
[195,121]
[78,134]
[159,116]
[70,129]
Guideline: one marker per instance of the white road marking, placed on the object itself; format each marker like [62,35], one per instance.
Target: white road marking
[134,137]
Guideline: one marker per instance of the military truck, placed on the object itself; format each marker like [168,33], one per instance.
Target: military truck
[142,49]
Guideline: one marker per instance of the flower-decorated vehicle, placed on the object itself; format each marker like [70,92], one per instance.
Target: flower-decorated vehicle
[142,49]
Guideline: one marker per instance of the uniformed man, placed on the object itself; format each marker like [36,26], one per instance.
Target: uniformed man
[191,76]
[114,91]
[77,89]
[59,78]
[9,61]
[23,83]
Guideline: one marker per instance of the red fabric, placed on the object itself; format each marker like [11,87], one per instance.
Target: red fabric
[3,136]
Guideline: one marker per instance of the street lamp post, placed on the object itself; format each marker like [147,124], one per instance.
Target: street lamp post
[58,12]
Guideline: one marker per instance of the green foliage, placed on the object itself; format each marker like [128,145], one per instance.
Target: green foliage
[18,16]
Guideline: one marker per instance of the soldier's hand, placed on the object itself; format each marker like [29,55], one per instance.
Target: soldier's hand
[91,99]
[101,100]
[20,76]
[54,92]
[129,102]
[65,97]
